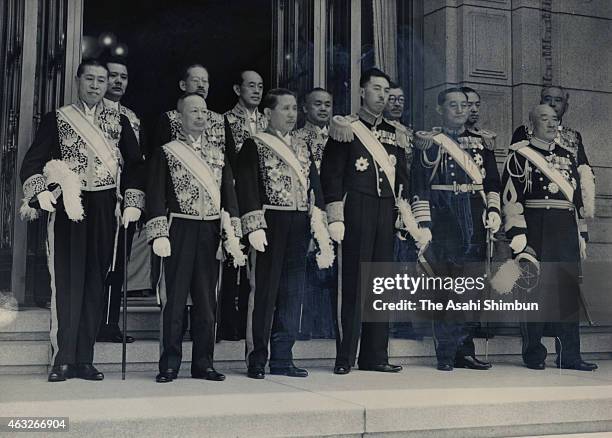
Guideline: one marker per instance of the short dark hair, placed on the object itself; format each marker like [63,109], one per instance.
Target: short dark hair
[90,62]
[467,90]
[442,95]
[185,71]
[558,87]
[372,73]
[315,89]
[394,85]
[271,98]
[238,79]
[122,60]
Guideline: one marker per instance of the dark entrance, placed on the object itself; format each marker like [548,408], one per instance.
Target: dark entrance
[163,35]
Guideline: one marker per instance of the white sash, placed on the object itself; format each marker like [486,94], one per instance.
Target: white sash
[376,149]
[199,168]
[553,174]
[285,153]
[462,158]
[93,137]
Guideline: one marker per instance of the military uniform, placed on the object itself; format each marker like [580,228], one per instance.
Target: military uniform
[317,311]
[233,303]
[543,203]
[193,203]
[359,193]
[278,188]
[96,145]
[459,201]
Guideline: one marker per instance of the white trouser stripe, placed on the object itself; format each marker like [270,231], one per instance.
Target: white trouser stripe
[339,306]
[51,266]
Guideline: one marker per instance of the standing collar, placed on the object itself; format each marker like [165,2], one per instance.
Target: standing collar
[316,129]
[453,132]
[542,144]
[369,117]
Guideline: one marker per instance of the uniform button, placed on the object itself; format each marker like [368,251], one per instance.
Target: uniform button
[548,207]
[450,158]
[380,179]
[541,179]
[545,197]
[452,173]
[452,165]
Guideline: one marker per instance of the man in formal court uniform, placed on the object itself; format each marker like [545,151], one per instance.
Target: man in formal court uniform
[364,177]
[457,173]
[280,197]
[109,325]
[543,212]
[97,153]
[317,311]
[192,204]
[241,122]
[194,79]
[558,99]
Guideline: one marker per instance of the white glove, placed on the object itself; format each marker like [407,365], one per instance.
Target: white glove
[493,221]
[336,231]
[583,247]
[424,238]
[258,240]
[161,247]
[130,214]
[46,200]
[518,243]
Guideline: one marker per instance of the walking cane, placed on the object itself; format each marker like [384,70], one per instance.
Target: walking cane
[124,299]
[489,256]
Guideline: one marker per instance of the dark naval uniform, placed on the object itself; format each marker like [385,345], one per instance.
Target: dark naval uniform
[109,325]
[96,147]
[278,197]
[317,311]
[194,213]
[235,288]
[571,140]
[459,204]
[543,203]
[358,193]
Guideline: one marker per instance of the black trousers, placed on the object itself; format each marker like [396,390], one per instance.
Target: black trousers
[233,302]
[369,233]
[79,255]
[113,293]
[277,287]
[553,235]
[191,267]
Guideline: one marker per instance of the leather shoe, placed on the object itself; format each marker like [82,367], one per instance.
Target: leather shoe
[114,337]
[88,372]
[342,369]
[471,363]
[291,371]
[580,366]
[382,368]
[209,374]
[536,366]
[444,367]
[256,373]
[60,373]
[166,376]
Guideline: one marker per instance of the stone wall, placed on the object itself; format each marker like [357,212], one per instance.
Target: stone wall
[506,49]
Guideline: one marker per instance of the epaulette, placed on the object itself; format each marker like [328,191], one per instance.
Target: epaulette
[488,138]
[402,134]
[424,139]
[340,128]
[519,144]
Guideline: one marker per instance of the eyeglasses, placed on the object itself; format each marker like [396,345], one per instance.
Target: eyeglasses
[393,99]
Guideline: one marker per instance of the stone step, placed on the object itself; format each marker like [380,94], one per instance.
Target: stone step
[18,357]
[419,402]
